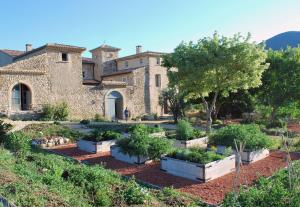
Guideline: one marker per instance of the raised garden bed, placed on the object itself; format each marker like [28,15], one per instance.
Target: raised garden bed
[198,142]
[119,155]
[253,156]
[198,171]
[95,147]
[98,141]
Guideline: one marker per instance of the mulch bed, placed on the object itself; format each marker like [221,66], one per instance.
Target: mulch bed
[212,192]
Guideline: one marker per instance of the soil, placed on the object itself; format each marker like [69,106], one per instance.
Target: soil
[212,192]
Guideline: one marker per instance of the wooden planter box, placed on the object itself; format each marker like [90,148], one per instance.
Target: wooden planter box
[247,155]
[95,147]
[253,156]
[198,142]
[196,171]
[158,134]
[118,155]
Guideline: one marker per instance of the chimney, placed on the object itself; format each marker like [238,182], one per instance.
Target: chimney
[28,47]
[138,49]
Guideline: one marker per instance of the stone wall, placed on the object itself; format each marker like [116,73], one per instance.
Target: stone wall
[88,71]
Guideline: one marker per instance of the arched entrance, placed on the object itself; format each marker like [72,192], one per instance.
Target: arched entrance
[20,98]
[115,105]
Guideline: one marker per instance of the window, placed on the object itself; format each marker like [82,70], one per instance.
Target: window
[83,74]
[126,64]
[64,56]
[124,79]
[141,61]
[158,80]
[158,61]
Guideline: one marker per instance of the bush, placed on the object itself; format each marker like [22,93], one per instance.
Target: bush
[17,142]
[58,112]
[217,121]
[198,155]
[184,130]
[99,118]
[85,122]
[134,194]
[98,136]
[4,128]
[140,144]
[277,124]
[249,134]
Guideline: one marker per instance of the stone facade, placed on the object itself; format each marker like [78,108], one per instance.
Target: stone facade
[57,73]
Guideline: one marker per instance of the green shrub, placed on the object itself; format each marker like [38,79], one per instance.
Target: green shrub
[4,128]
[85,122]
[140,144]
[184,130]
[217,121]
[58,112]
[249,134]
[99,118]
[134,194]
[277,124]
[146,129]
[198,155]
[17,142]
[98,135]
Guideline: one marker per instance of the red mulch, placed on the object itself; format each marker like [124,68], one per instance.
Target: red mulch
[212,192]
[294,127]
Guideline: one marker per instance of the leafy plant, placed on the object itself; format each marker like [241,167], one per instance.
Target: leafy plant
[185,131]
[4,128]
[250,134]
[198,155]
[140,144]
[134,194]
[98,135]
[58,112]
[99,118]
[85,121]
[17,142]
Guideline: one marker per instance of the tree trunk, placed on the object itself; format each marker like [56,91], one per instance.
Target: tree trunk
[208,121]
[273,114]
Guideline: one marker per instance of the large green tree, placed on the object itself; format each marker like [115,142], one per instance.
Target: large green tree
[216,65]
[281,82]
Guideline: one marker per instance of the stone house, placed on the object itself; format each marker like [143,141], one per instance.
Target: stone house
[105,84]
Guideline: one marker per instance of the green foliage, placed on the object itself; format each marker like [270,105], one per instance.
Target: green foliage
[17,142]
[146,129]
[85,122]
[134,194]
[58,112]
[174,101]
[99,118]
[185,131]
[198,155]
[51,130]
[216,65]
[140,144]
[98,136]
[278,123]
[281,82]
[269,192]
[250,134]
[4,128]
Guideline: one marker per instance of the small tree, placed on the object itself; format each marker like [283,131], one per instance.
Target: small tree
[217,66]
[281,83]
[175,101]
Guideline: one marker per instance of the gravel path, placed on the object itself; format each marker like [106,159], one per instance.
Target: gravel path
[212,192]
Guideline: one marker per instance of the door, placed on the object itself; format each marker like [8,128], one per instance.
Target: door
[112,108]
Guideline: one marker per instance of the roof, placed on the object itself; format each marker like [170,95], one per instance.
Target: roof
[12,53]
[142,54]
[119,72]
[90,82]
[106,47]
[53,46]
[87,60]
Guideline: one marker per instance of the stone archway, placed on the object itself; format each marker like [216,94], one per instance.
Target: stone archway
[21,97]
[115,102]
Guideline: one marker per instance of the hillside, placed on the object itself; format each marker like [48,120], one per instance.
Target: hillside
[282,40]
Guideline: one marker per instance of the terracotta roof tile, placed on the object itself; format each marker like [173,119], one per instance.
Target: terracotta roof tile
[13,53]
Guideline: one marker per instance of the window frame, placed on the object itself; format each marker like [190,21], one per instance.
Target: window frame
[158,80]
[66,59]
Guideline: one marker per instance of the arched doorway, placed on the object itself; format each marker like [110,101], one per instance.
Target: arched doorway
[20,98]
[115,105]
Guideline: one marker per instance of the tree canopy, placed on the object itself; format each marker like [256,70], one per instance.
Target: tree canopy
[281,82]
[216,65]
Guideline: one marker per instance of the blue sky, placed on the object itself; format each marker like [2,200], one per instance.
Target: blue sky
[158,25]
